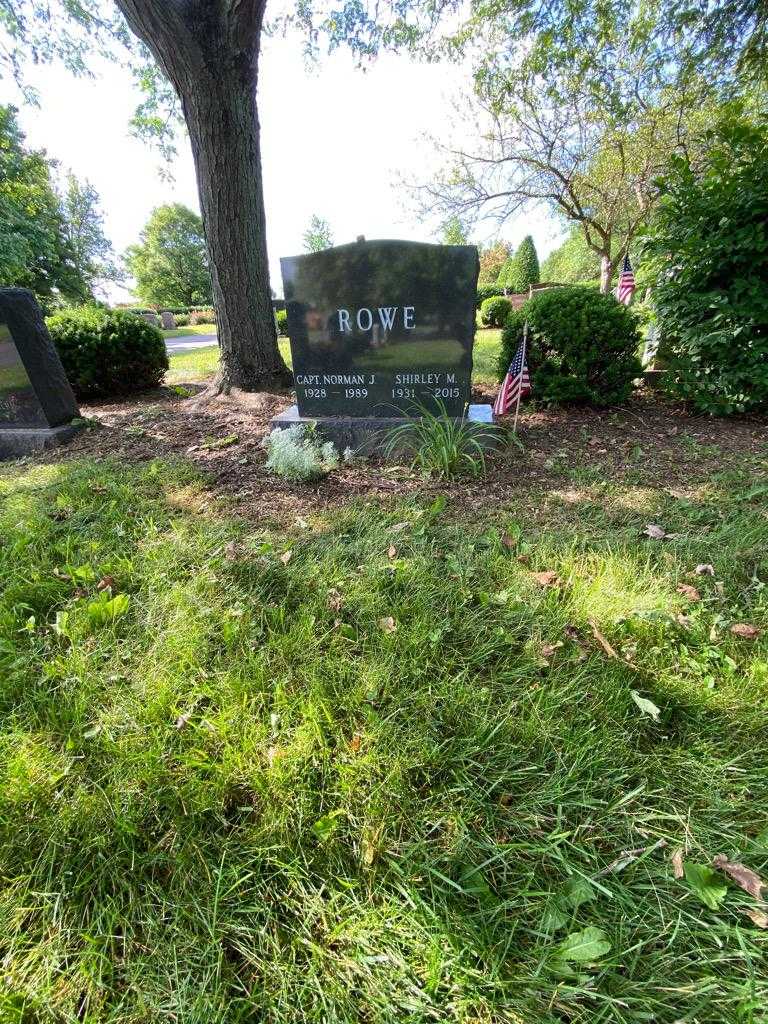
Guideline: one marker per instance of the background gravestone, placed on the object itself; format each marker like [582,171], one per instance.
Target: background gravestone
[168,320]
[379,328]
[37,403]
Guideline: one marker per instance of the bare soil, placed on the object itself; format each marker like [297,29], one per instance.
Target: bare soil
[651,443]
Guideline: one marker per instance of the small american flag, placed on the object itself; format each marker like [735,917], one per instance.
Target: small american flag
[517,382]
[626,286]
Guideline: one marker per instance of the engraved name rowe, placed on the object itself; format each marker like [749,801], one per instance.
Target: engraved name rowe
[387,316]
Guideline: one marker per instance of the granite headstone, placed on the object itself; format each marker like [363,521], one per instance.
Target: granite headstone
[37,404]
[381,328]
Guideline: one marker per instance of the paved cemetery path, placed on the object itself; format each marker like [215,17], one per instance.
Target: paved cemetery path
[189,342]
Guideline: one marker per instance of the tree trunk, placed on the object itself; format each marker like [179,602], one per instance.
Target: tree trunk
[210,54]
[606,273]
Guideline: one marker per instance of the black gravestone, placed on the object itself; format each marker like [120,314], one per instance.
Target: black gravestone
[378,329]
[37,404]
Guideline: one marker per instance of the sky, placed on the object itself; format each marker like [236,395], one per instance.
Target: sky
[336,141]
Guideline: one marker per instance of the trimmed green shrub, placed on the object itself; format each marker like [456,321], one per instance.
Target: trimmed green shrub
[281,319]
[487,291]
[182,320]
[108,352]
[494,311]
[708,245]
[582,346]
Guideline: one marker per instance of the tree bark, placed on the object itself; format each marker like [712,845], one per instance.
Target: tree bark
[209,52]
[606,273]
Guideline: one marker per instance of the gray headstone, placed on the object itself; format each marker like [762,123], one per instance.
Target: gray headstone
[152,318]
[378,328]
[167,320]
[37,403]
[33,386]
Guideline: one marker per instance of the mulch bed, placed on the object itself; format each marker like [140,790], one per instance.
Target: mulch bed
[659,442]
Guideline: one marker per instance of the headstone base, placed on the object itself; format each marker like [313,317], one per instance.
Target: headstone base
[18,441]
[362,434]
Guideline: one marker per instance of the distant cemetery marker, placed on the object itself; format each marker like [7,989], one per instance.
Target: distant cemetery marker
[379,330]
[37,404]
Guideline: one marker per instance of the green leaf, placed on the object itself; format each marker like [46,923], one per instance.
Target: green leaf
[553,919]
[221,442]
[706,883]
[325,827]
[586,946]
[646,706]
[106,610]
[577,890]
[437,506]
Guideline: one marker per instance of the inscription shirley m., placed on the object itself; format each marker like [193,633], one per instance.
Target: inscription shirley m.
[354,355]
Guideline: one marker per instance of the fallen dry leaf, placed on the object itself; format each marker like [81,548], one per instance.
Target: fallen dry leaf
[106,583]
[508,542]
[549,578]
[354,743]
[655,532]
[745,631]
[549,649]
[688,591]
[705,569]
[286,557]
[742,876]
[758,917]
[677,863]
[387,624]
[369,846]
[183,720]
[231,549]
[601,640]
[273,753]
[398,527]
[335,600]
[391,551]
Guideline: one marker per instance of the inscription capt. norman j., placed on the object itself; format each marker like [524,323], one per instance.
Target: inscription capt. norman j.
[356,355]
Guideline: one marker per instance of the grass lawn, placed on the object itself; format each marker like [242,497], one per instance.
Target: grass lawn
[367,765]
[197,365]
[183,332]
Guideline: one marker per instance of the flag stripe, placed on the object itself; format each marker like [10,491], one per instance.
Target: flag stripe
[516,383]
[626,286]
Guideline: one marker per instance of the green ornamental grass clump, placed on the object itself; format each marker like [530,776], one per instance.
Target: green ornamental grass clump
[108,352]
[494,311]
[582,346]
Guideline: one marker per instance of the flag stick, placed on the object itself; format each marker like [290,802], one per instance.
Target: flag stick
[520,388]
